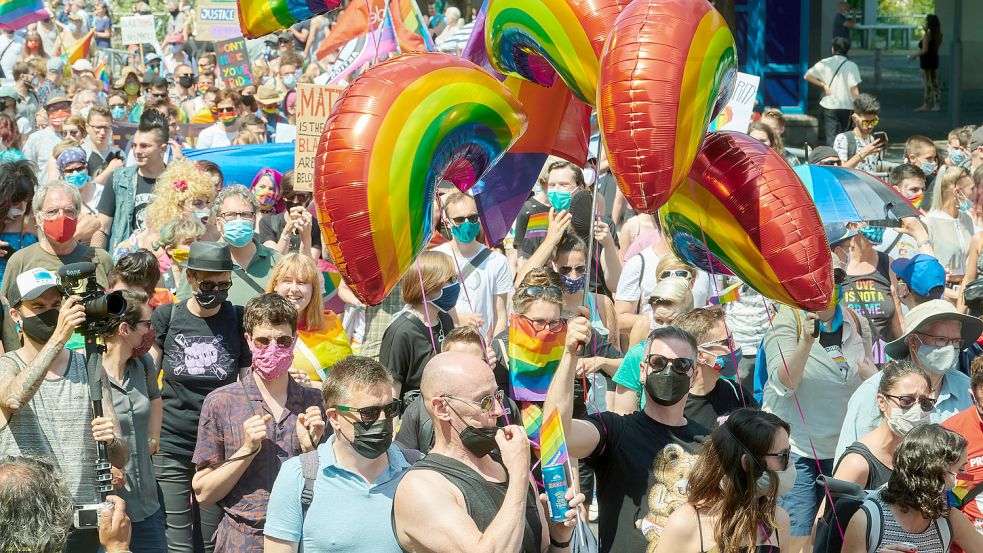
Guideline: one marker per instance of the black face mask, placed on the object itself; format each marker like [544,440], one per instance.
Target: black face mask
[208,300]
[479,441]
[174,13]
[373,440]
[186,81]
[41,327]
[666,388]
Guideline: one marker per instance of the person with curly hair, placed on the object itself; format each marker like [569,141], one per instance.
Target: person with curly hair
[913,510]
[183,191]
[733,489]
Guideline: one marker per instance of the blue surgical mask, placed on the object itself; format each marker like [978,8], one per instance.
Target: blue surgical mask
[928,167]
[727,362]
[448,297]
[290,81]
[957,157]
[965,205]
[77,179]
[874,234]
[238,233]
[573,285]
[466,232]
[559,200]
[118,112]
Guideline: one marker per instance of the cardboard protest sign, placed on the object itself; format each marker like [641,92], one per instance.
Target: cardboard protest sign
[217,20]
[138,29]
[313,106]
[233,62]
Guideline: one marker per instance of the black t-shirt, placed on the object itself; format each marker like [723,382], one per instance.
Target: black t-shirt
[642,467]
[406,348]
[838,29]
[200,355]
[721,401]
[145,195]
[271,227]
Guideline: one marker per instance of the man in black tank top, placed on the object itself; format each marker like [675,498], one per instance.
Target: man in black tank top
[473,488]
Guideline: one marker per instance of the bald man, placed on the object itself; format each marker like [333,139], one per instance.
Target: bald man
[464,495]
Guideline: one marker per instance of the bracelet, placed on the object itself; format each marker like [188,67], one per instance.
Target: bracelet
[560,544]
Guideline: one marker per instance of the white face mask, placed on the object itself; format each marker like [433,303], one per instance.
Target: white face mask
[901,421]
[938,360]
[786,479]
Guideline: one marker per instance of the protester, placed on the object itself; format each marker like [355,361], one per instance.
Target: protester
[269,194]
[774,118]
[102,156]
[839,77]
[17,184]
[138,272]
[51,86]
[920,279]
[859,148]
[221,133]
[292,229]
[950,228]
[41,144]
[671,298]
[870,288]
[174,243]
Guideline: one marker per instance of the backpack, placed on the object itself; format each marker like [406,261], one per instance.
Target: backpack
[847,498]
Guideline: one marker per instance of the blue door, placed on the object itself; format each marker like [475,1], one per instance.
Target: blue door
[773,43]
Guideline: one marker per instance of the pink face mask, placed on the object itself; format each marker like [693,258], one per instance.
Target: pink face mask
[272,361]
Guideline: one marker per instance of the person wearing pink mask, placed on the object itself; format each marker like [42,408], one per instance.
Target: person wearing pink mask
[40,145]
[249,428]
[56,209]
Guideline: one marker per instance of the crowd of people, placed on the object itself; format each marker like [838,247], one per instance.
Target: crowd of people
[239,413]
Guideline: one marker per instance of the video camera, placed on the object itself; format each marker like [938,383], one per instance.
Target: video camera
[79,279]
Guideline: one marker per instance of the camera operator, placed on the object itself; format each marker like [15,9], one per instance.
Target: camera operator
[44,394]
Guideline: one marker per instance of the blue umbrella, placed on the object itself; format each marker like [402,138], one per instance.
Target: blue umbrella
[847,195]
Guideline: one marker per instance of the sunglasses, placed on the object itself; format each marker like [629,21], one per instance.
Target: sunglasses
[226,110]
[831,161]
[486,404]
[871,123]
[282,341]
[907,402]
[782,456]
[567,269]
[723,342]
[537,291]
[681,273]
[369,415]
[680,365]
[211,286]
[538,325]
[473,218]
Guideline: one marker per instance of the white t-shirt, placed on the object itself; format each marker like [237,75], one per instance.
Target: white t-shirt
[847,78]
[632,286]
[215,136]
[492,278]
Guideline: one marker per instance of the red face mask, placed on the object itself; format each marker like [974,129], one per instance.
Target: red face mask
[60,230]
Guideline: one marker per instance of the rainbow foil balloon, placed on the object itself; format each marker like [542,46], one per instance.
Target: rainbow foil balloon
[668,68]
[743,211]
[398,130]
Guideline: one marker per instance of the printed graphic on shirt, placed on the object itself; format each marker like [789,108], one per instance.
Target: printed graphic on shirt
[864,298]
[200,356]
[670,477]
[140,209]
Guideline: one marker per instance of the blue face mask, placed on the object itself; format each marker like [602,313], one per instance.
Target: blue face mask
[874,234]
[77,179]
[559,200]
[573,285]
[957,157]
[466,232]
[834,324]
[928,167]
[290,81]
[965,205]
[448,297]
[727,362]
[238,233]
[118,112]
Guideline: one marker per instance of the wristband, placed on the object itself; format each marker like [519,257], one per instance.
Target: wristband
[560,544]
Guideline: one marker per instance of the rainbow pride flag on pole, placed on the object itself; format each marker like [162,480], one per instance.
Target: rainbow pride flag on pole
[537,225]
[552,445]
[532,421]
[727,295]
[533,358]
[17,14]
[81,50]
[411,28]
[262,17]
[102,73]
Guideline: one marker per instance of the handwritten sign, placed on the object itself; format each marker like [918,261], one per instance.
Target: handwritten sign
[138,29]
[217,20]
[736,115]
[314,103]
[233,62]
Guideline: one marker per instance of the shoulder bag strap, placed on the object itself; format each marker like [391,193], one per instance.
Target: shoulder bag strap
[472,264]
[249,280]
[3,74]
[308,469]
[641,275]
[837,72]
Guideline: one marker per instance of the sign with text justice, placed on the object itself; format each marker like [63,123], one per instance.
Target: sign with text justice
[313,106]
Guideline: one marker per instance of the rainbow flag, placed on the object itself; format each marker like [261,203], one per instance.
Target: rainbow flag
[533,358]
[317,350]
[538,224]
[964,484]
[362,52]
[262,17]
[552,446]
[411,28]
[102,73]
[728,295]
[332,280]
[17,14]
[532,421]
[81,50]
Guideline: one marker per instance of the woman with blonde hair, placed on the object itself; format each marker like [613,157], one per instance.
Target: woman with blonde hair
[429,289]
[321,338]
[950,227]
[671,298]
[699,281]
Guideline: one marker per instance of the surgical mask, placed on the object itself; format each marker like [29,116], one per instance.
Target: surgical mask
[164,262]
[84,112]
[448,297]
[957,157]
[131,88]
[77,179]
[901,421]
[227,120]
[590,175]
[965,205]
[938,359]
[60,230]
[290,81]
[186,81]
[118,112]
[667,387]
[573,285]
[201,215]
[41,327]
[238,233]
[559,200]
[273,361]
[466,232]
[478,440]
[372,440]
[928,167]
[146,341]
[786,479]
[874,234]
[727,362]
[208,300]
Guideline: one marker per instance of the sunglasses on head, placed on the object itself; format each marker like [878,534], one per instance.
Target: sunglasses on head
[680,365]
[567,269]
[537,290]
[369,415]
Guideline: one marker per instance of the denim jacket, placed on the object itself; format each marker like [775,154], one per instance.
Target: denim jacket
[125,187]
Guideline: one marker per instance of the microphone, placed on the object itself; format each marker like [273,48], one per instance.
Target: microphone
[76,270]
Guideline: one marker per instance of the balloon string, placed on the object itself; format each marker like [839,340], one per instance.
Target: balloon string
[805,426]
[426,308]
[596,261]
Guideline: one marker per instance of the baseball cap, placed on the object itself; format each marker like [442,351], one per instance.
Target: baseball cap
[8,91]
[922,273]
[55,65]
[56,99]
[976,139]
[30,284]
[82,65]
[927,313]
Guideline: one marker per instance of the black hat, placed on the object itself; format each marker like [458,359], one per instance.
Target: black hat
[212,257]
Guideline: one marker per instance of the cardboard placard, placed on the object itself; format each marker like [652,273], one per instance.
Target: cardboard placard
[314,103]
[736,116]
[138,29]
[233,62]
[217,20]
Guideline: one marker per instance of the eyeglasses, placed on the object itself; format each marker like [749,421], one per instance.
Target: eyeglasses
[540,325]
[870,123]
[211,286]
[567,269]
[681,273]
[72,132]
[486,404]
[907,402]
[369,415]
[100,128]
[265,341]
[831,161]
[537,290]
[783,456]
[232,215]
[52,214]
[680,365]
[473,218]
[141,322]
[939,341]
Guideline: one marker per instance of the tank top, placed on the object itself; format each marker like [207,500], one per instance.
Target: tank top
[927,541]
[484,499]
[870,297]
[877,472]
[760,548]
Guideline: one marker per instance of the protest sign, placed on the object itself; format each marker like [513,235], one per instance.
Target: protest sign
[736,115]
[138,29]
[217,20]
[233,62]
[313,106]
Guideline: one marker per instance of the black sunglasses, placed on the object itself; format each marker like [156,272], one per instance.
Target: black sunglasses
[210,286]
[537,290]
[469,218]
[680,365]
[907,402]
[567,269]
[369,415]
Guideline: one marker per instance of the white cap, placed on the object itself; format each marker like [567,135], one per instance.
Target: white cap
[82,65]
[30,284]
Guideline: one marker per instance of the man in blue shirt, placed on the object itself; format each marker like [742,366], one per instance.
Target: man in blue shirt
[935,333]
